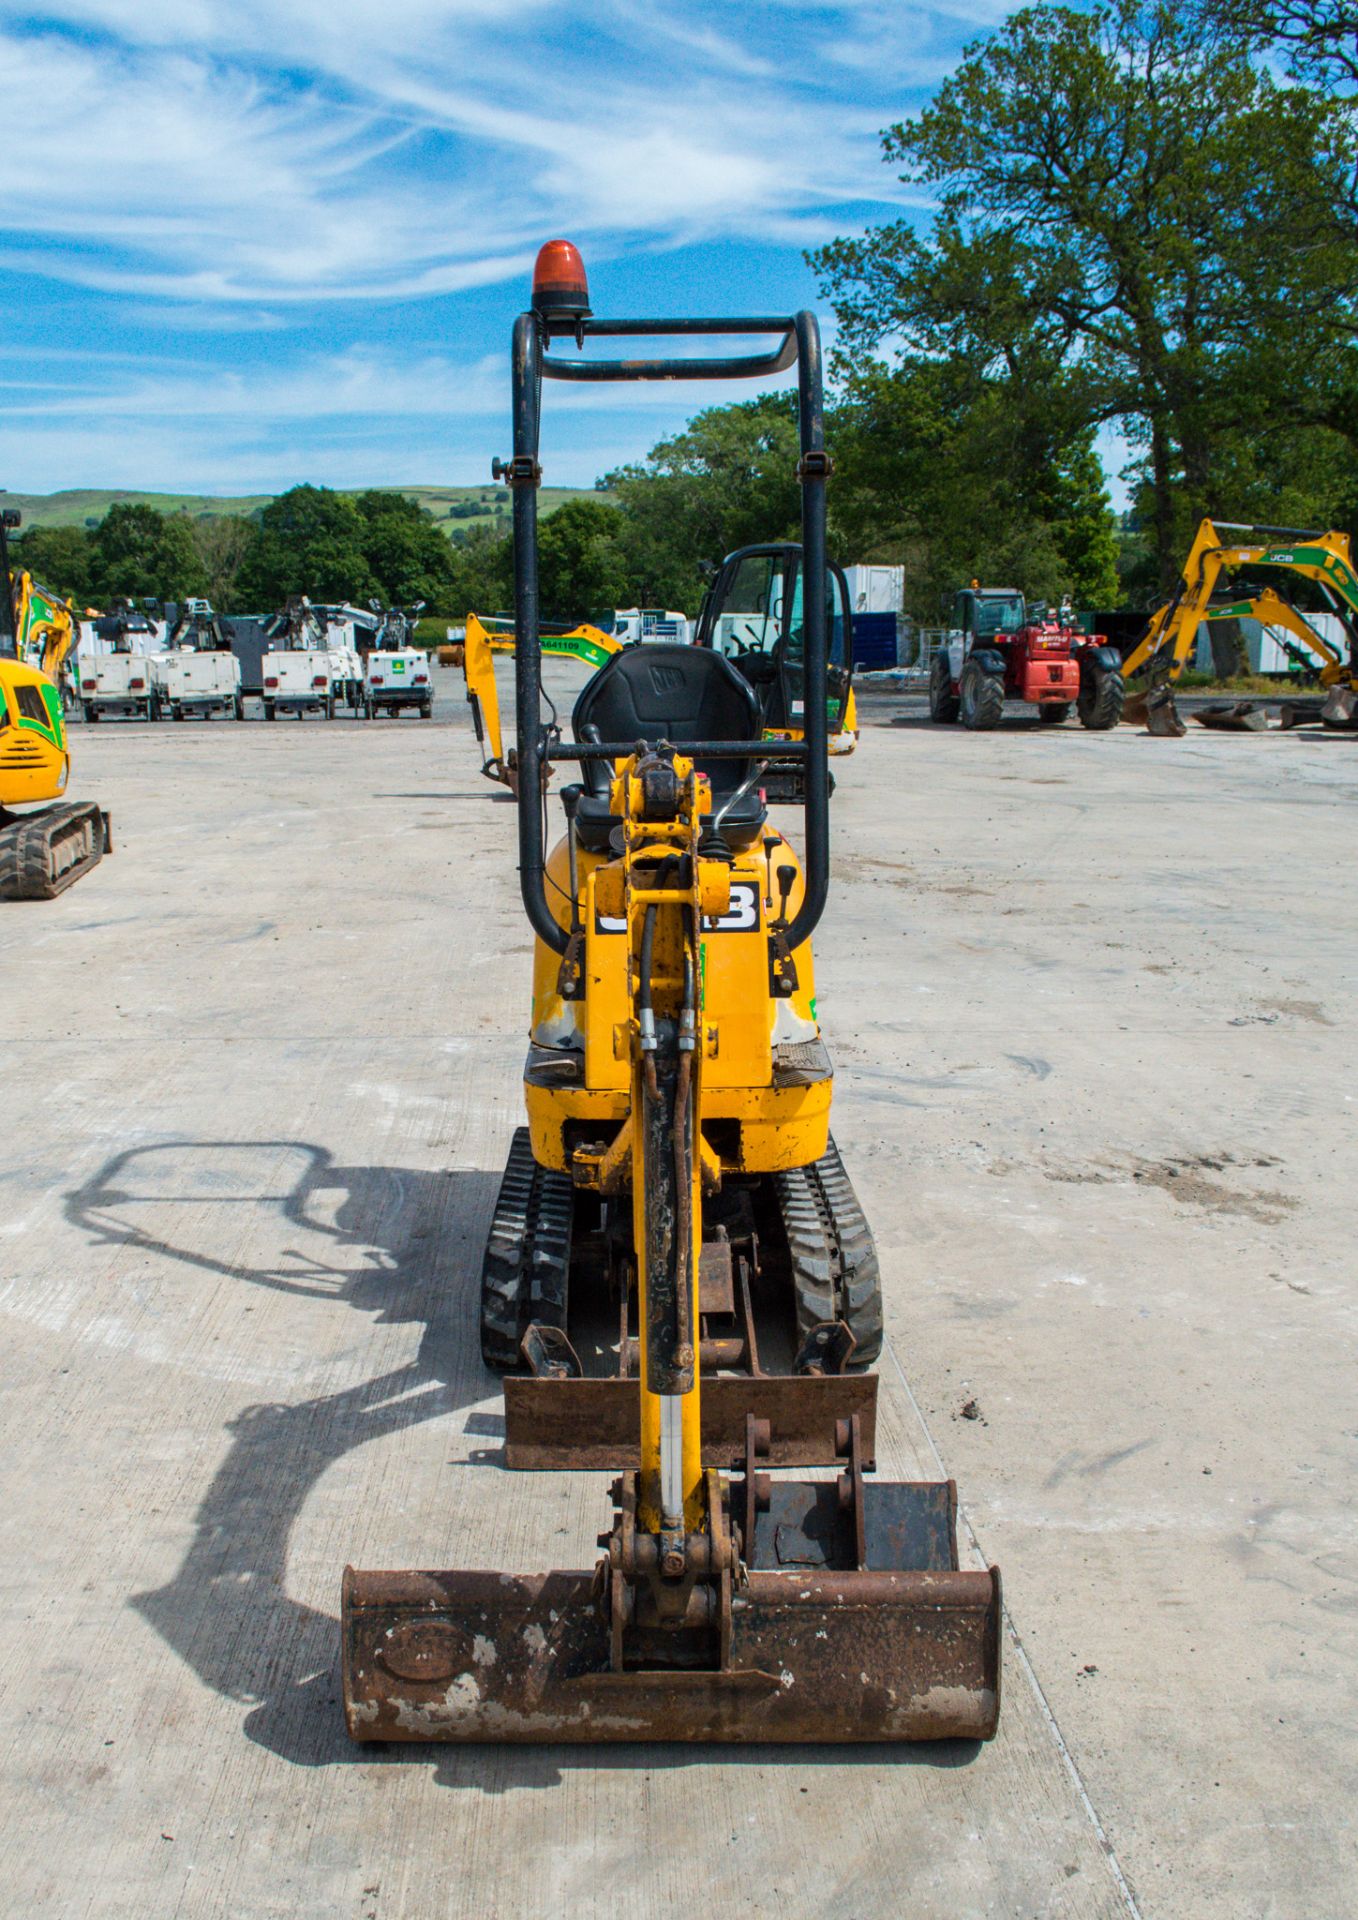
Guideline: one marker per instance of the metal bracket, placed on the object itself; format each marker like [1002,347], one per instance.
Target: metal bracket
[522,471]
[815,465]
[570,979]
[782,966]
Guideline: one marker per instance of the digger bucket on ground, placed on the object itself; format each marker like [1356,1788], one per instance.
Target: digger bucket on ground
[1240,716]
[1160,713]
[1341,709]
[843,1618]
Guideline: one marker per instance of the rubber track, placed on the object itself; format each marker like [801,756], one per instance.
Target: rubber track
[526,1271]
[41,854]
[835,1275]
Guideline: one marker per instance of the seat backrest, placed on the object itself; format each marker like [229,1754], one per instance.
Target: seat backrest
[676,693]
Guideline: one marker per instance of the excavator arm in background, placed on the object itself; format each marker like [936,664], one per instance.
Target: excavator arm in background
[483,641]
[44,626]
[1171,637]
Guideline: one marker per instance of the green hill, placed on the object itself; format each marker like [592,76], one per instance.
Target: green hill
[452,507]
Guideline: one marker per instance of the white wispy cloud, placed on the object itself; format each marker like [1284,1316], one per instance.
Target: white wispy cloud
[285,152]
[282,177]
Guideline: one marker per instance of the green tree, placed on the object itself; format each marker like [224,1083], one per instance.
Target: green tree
[309,540]
[1318,38]
[728,480]
[581,567]
[138,553]
[222,541]
[482,579]
[956,475]
[61,557]
[1135,217]
[408,556]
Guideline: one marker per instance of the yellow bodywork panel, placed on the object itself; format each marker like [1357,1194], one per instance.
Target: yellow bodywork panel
[34,764]
[776,1126]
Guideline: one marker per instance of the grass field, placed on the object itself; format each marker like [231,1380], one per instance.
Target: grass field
[452,507]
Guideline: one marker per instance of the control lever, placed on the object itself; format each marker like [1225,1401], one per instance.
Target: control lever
[570,800]
[746,786]
[770,842]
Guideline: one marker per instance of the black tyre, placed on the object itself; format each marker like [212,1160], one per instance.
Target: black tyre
[330,707]
[980,698]
[1101,698]
[270,710]
[426,709]
[1052,716]
[91,713]
[176,713]
[943,704]
[238,706]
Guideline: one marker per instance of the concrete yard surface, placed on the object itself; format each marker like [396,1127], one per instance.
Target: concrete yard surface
[1088,998]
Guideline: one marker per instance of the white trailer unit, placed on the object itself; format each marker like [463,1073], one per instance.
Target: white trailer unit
[631,624]
[346,674]
[397,677]
[123,683]
[199,682]
[396,672]
[117,666]
[300,680]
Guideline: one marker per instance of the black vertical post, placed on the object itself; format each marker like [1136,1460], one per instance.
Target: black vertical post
[813,471]
[524,478]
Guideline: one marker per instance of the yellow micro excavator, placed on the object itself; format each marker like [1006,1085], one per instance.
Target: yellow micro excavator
[43,851]
[1169,642]
[678,1156]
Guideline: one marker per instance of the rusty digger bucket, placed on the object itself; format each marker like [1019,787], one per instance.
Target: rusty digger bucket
[809,1610]
[727,1606]
[1155,709]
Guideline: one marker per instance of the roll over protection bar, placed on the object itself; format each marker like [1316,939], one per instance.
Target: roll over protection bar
[799,341]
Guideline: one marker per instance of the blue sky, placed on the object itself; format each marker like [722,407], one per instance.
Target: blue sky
[245,243]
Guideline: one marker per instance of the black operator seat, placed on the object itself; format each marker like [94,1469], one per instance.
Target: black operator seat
[654,692]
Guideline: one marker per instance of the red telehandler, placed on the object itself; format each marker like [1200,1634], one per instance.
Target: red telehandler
[1000,649]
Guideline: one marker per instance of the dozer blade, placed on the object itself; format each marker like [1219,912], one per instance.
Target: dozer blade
[814,1656]
[571,1422]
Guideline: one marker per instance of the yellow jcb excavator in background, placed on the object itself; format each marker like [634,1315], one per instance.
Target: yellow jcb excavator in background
[42,851]
[486,636]
[1170,640]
